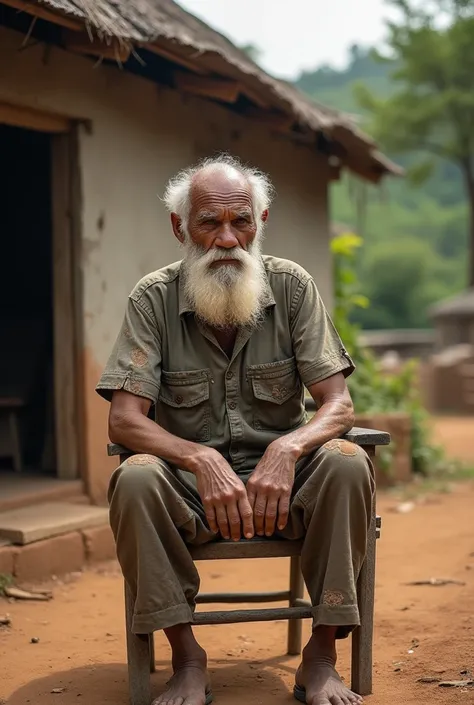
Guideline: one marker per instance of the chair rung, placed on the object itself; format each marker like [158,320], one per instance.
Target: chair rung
[263,615]
[236,597]
[299,602]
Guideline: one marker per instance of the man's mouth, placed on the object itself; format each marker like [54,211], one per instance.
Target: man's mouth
[217,262]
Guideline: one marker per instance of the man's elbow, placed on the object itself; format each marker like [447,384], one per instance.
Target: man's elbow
[117,426]
[348,415]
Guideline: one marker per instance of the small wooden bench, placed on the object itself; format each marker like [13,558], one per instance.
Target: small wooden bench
[140,647]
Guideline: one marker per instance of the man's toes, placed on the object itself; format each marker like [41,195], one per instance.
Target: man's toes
[336,700]
[350,700]
[354,699]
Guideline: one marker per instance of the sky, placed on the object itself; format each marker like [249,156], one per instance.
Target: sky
[295,34]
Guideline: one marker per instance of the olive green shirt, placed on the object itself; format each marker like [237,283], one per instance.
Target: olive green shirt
[236,405]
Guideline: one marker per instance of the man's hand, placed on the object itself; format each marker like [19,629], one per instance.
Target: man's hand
[269,489]
[224,497]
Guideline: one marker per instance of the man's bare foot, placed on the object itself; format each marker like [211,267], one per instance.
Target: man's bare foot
[317,678]
[189,684]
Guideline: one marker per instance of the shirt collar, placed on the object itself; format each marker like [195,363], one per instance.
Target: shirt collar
[185,307]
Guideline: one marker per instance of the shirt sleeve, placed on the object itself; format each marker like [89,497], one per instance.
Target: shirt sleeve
[135,362]
[318,349]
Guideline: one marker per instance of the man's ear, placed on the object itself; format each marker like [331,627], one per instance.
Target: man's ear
[265,215]
[177,226]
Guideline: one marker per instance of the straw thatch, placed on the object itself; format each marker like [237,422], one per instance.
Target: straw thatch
[460,305]
[164,23]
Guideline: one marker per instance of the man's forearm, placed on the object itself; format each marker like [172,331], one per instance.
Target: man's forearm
[142,435]
[333,419]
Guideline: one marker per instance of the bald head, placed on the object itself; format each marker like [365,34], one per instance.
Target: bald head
[219,175]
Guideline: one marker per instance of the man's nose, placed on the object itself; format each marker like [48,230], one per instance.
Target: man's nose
[226,238]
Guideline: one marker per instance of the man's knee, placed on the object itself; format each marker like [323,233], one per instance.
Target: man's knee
[347,463]
[137,476]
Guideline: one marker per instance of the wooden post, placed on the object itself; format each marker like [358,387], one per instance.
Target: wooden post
[65,358]
[362,637]
[138,657]
[296,592]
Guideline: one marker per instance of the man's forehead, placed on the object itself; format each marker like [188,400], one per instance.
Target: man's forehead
[217,185]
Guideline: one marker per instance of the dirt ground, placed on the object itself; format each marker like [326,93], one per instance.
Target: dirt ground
[421,631]
[456,435]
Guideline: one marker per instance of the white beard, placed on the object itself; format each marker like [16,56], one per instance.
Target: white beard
[229,295]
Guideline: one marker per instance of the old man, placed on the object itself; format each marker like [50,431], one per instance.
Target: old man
[223,344]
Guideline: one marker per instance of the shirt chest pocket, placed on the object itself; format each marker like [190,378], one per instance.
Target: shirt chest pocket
[183,406]
[277,396]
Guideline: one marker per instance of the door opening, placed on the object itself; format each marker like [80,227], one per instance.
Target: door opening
[27,440]
[37,311]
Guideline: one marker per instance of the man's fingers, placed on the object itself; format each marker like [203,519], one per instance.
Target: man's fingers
[234,521]
[251,496]
[283,511]
[211,518]
[222,522]
[271,515]
[259,508]
[246,514]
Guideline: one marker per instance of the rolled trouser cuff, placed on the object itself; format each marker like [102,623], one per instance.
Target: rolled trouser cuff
[163,619]
[344,617]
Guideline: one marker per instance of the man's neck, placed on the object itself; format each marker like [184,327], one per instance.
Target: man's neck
[226,339]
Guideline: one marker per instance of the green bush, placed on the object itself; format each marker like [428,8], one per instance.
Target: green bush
[373,390]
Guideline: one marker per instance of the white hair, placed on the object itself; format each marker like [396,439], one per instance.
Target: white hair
[177,194]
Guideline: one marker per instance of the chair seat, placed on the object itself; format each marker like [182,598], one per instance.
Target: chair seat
[258,547]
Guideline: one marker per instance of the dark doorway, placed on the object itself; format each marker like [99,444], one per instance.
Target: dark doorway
[26,303]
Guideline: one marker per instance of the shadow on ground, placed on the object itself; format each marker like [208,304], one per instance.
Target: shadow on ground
[104,684]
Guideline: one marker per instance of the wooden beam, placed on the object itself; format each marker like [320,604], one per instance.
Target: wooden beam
[82,43]
[281,122]
[207,86]
[254,96]
[32,119]
[44,14]
[176,58]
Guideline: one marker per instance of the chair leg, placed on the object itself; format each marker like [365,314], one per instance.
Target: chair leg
[296,592]
[152,653]
[138,656]
[362,637]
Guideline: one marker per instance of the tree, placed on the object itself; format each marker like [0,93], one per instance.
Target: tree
[432,111]
[402,278]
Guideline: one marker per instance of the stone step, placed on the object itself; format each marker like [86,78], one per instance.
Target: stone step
[23,490]
[42,521]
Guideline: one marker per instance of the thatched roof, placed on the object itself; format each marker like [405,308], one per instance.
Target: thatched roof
[163,26]
[460,305]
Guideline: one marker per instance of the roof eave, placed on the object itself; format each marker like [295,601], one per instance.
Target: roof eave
[361,153]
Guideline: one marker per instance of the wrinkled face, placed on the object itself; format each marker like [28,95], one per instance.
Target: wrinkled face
[225,279]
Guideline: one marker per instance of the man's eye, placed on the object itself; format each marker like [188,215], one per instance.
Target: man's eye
[210,221]
[241,221]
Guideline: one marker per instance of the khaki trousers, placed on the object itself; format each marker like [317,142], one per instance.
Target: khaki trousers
[155,511]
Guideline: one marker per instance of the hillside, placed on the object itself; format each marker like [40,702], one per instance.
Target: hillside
[415,238]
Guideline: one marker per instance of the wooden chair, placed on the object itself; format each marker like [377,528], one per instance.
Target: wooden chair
[140,647]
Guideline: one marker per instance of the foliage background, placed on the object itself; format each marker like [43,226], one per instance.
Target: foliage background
[415,239]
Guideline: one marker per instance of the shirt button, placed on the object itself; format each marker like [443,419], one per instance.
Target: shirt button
[232,405]
[229,375]
[179,399]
